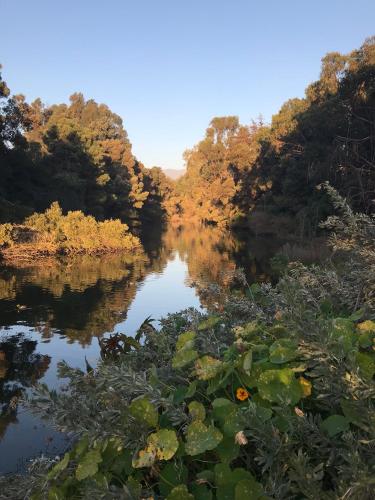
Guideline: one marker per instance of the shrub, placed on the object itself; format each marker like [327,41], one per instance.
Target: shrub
[5,234]
[75,232]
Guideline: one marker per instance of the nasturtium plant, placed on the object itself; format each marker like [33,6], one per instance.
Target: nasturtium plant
[342,336]
[200,438]
[171,475]
[185,340]
[247,361]
[180,492]
[197,411]
[279,386]
[366,364]
[144,411]
[89,465]
[249,489]
[227,481]
[59,467]
[208,367]
[228,450]
[161,445]
[282,351]
[184,357]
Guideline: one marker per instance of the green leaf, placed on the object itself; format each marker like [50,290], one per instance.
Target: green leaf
[206,475]
[183,358]
[170,476]
[228,450]
[59,467]
[197,411]
[191,389]
[81,446]
[180,492]
[357,315]
[88,466]
[219,381]
[282,351]
[201,492]
[226,481]
[134,487]
[342,336]
[144,411]
[247,362]
[210,322]
[263,413]
[279,386]
[200,438]
[366,339]
[221,407]
[123,463]
[161,445]
[179,394]
[165,442]
[234,422]
[55,493]
[249,489]
[334,425]
[356,413]
[185,341]
[208,367]
[366,364]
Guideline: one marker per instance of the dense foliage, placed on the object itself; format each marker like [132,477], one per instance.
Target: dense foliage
[52,232]
[326,136]
[271,398]
[77,154]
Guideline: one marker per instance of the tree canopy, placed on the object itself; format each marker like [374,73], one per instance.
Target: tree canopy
[327,135]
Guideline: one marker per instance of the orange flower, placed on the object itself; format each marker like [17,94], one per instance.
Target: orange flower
[242,394]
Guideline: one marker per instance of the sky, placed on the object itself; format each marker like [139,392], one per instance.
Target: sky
[167,67]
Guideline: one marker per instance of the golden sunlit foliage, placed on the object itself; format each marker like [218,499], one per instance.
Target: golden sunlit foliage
[52,232]
[328,135]
[77,154]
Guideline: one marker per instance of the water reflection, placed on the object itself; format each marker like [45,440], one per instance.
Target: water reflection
[20,367]
[57,308]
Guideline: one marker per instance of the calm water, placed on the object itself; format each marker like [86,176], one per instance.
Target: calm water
[57,309]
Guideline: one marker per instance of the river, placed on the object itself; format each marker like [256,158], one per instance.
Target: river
[57,309]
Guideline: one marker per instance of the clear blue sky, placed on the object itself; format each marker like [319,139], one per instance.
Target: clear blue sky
[168,66]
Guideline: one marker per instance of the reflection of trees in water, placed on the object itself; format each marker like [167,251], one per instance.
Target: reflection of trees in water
[85,296]
[81,297]
[211,253]
[20,368]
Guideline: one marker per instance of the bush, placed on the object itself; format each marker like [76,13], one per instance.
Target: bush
[75,232]
[5,234]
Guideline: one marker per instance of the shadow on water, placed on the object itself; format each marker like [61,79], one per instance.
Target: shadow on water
[57,308]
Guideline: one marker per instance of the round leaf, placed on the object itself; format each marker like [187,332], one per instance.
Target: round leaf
[201,438]
[279,385]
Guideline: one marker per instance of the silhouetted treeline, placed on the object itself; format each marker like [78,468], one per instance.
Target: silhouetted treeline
[327,135]
[77,154]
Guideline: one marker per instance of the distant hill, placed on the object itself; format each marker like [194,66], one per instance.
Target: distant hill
[173,173]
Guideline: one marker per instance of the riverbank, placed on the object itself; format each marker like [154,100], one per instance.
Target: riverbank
[52,233]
